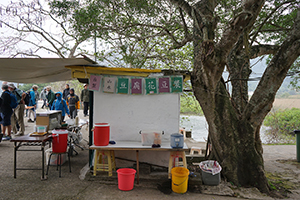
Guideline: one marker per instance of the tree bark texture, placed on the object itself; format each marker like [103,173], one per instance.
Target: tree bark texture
[234,121]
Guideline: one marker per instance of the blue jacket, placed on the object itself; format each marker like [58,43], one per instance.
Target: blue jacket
[60,104]
[32,98]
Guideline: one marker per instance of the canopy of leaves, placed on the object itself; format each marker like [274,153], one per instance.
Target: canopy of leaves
[140,34]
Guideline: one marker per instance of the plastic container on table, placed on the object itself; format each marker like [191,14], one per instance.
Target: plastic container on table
[177,140]
[150,137]
[101,134]
[40,129]
[59,141]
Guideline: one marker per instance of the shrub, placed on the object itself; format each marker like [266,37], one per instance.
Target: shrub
[282,123]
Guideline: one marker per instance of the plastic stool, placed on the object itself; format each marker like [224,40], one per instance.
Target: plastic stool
[174,160]
[195,149]
[104,161]
[59,160]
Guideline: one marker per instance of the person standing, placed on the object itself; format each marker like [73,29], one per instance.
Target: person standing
[37,96]
[43,97]
[73,103]
[60,104]
[17,117]
[6,112]
[66,92]
[32,103]
[50,97]
[85,98]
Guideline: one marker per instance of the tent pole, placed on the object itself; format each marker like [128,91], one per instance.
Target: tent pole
[91,118]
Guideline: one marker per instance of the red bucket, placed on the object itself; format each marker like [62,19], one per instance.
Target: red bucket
[101,134]
[59,141]
[126,178]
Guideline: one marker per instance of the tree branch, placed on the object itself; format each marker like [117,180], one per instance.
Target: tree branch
[267,18]
[260,50]
[261,101]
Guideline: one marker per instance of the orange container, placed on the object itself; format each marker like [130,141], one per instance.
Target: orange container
[59,141]
[101,134]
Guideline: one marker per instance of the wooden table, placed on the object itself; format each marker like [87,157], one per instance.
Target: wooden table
[32,142]
[137,146]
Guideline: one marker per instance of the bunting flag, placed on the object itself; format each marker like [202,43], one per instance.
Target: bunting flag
[176,84]
[94,83]
[123,86]
[164,85]
[150,85]
[136,86]
[109,84]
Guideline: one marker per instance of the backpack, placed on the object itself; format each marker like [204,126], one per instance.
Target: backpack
[13,100]
[27,98]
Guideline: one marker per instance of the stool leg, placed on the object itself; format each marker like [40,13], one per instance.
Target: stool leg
[170,164]
[184,159]
[59,156]
[57,161]
[95,161]
[48,163]
[113,159]
[109,163]
[69,161]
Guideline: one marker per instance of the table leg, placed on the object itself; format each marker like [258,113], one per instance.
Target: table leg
[15,160]
[137,168]
[43,161]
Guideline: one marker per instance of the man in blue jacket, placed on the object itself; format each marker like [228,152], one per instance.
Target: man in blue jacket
[32,103]
[60,104]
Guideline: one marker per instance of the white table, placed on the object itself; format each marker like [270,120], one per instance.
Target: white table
[137,146]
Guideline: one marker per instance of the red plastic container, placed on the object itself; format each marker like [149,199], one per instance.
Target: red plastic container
[101,134]
[59,141]
[126,178]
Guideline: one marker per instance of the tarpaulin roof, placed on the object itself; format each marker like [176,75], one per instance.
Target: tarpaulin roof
[38,70]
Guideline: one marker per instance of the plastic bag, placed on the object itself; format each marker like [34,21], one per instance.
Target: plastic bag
[210,166]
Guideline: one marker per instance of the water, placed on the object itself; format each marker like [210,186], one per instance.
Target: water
[199,127]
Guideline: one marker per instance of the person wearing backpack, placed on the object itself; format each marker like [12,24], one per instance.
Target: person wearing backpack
[73,103]
[32,103]
[60,104]
[6,112]
[18,113]
[50,97]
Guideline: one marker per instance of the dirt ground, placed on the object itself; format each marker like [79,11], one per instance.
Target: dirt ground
[280,165]
[286,103]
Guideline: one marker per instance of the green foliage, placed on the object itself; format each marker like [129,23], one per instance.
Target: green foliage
[137,34]
[56,86]
[189,105]
[282,123]
[27,87]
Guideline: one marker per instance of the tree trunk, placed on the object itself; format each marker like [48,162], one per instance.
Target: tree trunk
[234,142]
[234,123]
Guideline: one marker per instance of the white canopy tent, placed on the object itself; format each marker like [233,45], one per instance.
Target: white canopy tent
[38,70]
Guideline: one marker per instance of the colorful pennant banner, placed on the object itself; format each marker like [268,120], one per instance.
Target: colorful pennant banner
[136,85]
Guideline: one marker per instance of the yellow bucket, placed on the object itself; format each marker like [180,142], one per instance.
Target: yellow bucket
[180,177]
